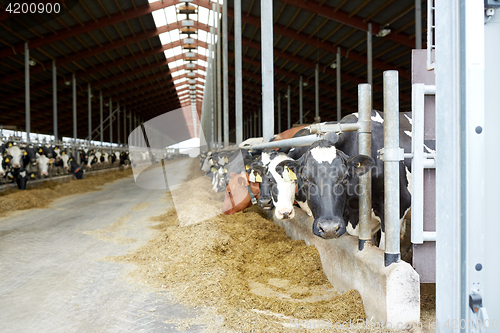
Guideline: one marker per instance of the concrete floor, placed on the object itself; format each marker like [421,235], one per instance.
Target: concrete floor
[51,275]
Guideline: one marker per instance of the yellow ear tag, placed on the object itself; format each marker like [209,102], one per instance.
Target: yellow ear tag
[225,170]
[247,167]
[32,175]
[292,175]
[213,169]
[359,164]
[6,160]
[63,153]
[226,160]
[40,150]
[258,178]
[10,144]
[25,153]
[286,175]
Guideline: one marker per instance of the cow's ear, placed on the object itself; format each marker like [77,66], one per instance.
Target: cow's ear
[292,165]
[360,164]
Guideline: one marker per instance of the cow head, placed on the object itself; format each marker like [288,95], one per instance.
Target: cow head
[16,154]
[237,193]
[260,174]
[2,170]
[43,165]
[326,173]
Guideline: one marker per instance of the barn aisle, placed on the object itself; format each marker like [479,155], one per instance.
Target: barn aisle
[53,278]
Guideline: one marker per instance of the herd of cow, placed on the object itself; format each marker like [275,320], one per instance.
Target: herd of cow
[322,179]
[22,162]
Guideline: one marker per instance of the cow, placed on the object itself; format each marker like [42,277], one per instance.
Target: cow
[330,171]
[240,193]
[75,168]
[3,166]
[43,163]
[29,157]
[21,176]
[15,154]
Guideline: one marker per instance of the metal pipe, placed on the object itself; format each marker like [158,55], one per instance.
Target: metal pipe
[369,54]
[267,58]
[339,85]
[238,71]
[118,124]
[391,167]
[74,108]
[418,24]
[279,112]
[365,181]
[54,99]
[110,121]
[130,123]
[323,128]
[301,110]
[289,116]
[101,111]
[219,82]
[259,122]
[225,74]
[316,89]
[27,89]
[89,101]
[287,143]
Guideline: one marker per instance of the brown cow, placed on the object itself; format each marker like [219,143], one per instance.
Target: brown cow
[237,197]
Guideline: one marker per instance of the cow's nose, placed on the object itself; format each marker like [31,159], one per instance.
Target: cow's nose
[327,229]
[265,202]
[285,214]
[16,165]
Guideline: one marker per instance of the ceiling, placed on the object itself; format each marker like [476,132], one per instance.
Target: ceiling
[124,50]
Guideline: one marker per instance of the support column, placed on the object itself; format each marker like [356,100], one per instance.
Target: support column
[316,76]
[89,100]
[418,24]
[289,117]
[238,71]
[219,81]
[54,99]
[369,54]
[27,89]
[225,74]
[279,112]
[339,85]
[74,108]
[301,110]
[101,114]
[110,121]
[266,19]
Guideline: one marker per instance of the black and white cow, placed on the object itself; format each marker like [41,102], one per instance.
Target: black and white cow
[330,174]
[75,168]
[21,177]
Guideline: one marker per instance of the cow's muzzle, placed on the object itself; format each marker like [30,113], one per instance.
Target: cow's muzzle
[328,229]
[265,202]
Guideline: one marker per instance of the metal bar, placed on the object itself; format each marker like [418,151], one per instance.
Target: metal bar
[301,110]
[74,108]
[391,168]
[339,86]
[365,181]
[110,121]
[323,128]
[225,74]
[118,124]
[369,54]
[417,168]
[238,71]
[54,97]
[27,89]
[267,119]
[101,111]
[430,31]
[89,101]
[316,77]
[279,112]
[287,143]
[219,82]
[418,24]
[129,123]
[289,117]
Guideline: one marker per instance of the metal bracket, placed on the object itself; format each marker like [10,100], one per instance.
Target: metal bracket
[365,126]
[391,154]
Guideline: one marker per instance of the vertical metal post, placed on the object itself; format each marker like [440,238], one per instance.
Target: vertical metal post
[418,24]
[391,166]
[339,86]
[118,127]
[101,114]
[289,116]
[301,110]
[54,99]
[259,122]
[238,71]
[279,112]
[316,79]
[27,88]
[365,148]
[130,122]
[219,81]
[110,121]
[267,58]
[89,101]
[369,54]
[74,108]
[225,73]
